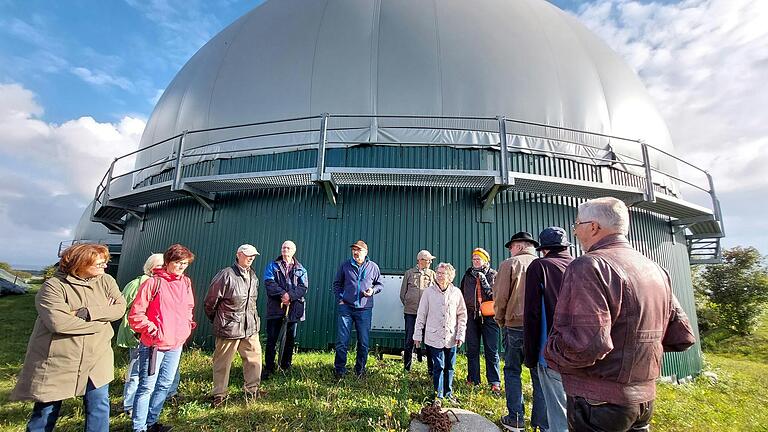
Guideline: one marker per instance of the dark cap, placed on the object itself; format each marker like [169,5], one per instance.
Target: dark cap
[521,236]
[359,244]
[553,237]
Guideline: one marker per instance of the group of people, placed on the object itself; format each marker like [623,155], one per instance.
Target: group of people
[591,330]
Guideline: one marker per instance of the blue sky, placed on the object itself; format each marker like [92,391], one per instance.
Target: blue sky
[76,72]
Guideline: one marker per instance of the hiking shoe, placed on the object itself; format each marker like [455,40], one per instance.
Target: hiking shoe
[513,425]
[159,427]
[495,388]
[452,400]
[217,401]
[128,413]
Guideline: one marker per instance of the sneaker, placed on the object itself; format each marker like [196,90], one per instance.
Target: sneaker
[159,427]
[495,388]
[338,375]
[217,401]
[452,400]
[513,425]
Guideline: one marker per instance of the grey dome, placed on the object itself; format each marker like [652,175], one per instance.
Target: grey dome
[525,59]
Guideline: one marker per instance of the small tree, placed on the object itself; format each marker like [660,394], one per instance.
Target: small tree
[738,288]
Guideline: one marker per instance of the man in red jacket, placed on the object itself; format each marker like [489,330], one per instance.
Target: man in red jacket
[615,317]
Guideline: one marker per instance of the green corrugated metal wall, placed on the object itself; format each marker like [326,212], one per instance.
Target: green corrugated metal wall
[396,222]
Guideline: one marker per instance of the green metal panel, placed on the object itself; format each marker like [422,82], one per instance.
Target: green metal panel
[396,222]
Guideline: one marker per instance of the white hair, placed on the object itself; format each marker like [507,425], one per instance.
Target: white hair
[449,270]
[153,261]
[610,213]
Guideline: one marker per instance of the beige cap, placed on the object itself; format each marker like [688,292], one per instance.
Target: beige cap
[248,250]
[424,254]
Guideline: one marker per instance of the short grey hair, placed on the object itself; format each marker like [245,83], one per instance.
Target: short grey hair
[610,213]
[449,269]
[153,261]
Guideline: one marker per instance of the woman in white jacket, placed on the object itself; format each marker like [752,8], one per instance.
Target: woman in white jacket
[444,315]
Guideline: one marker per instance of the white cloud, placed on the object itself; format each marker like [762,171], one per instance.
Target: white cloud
[49,172]
[100,78]
[705,62]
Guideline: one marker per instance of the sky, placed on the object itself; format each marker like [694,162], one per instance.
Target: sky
[78,80]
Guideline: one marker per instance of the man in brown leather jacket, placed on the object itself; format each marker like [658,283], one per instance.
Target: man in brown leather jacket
[231,305]
[615,317]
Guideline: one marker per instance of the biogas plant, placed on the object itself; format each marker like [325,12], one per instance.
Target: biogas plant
[441,125]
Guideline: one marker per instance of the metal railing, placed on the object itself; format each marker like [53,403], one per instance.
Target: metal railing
[497,134]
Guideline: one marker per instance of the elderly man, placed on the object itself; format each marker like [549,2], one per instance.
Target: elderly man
[231,306]
[542,287]
[615,316]
[286,284]
[355,284]
[509,295]
[415,281]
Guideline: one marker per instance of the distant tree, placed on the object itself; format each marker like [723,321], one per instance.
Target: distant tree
[737,289]
[49,271]
[5,266]
[22,274]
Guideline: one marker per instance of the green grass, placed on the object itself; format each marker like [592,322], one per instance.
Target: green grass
[309,398]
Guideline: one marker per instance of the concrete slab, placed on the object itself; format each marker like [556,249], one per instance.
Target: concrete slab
[468,422]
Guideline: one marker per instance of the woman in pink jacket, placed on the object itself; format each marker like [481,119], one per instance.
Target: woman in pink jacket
[443,315]
[162,315]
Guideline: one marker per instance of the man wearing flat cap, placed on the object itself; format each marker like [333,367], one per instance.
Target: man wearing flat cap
[354,286]
[415,281]
[231,306]
[542,287]
[509,293]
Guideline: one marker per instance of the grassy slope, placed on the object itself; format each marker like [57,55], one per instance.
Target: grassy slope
[310,399]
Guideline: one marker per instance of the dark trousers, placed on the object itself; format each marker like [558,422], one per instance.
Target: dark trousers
[95,404]
[273,332]
[410,324]
[487,329]
[586,415]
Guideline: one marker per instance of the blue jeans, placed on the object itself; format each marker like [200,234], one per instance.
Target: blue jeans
[410,324]
[361,318]
[95,404]
[513,386]
[175,384]
[443,362]
[131,379]
[486,328]
[153,389]
[554,395]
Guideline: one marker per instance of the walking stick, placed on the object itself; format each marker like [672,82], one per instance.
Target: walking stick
[282,336]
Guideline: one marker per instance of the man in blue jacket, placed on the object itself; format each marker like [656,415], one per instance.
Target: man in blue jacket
[286,284]
[356,281]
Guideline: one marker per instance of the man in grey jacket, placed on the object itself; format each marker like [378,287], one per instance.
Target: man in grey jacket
[415,281]
[231,306]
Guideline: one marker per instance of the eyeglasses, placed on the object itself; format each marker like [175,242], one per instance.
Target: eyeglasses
[576,224]
[101,264]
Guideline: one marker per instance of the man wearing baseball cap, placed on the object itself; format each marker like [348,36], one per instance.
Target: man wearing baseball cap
[542,287]
[235,324]
[355,284]
[415,281]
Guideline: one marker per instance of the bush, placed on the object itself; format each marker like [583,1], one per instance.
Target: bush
[731,295]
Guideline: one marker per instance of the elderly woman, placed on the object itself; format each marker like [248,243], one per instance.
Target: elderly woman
[162,315]
[442,316]
[476,285]
[70,352]
[126,336]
